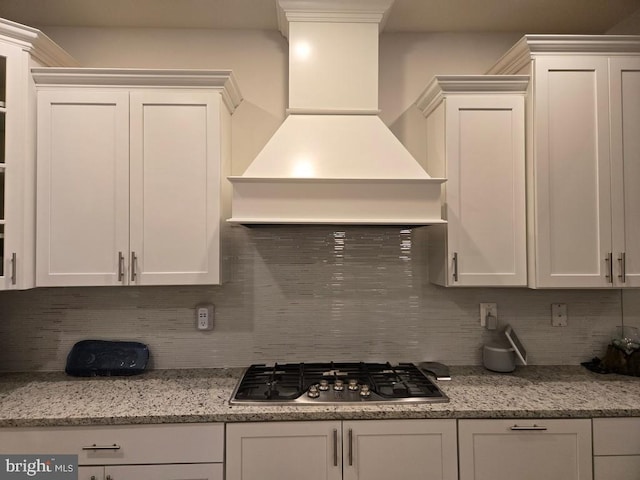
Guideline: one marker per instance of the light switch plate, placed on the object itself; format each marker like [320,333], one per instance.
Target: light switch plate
[559,317]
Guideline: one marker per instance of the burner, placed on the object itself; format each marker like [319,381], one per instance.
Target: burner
[335,383]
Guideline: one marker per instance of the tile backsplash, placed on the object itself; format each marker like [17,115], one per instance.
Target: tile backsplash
[304,293]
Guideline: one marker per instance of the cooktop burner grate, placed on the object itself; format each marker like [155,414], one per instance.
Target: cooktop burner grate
[331,382]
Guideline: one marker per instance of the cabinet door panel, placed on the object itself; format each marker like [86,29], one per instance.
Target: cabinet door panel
[485,191]
[204,471]
[616,468]
[17,169]
[490,449]
[284,451]
[83,180]
[174,183]
[625,158]
[572,183]
[381,450]
[90,473]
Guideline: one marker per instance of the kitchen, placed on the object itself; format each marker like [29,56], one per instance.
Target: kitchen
[301,292]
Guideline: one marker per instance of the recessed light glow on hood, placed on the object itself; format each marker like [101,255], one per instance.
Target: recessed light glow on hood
[333,160]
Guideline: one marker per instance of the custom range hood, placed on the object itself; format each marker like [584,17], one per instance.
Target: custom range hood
[333,161]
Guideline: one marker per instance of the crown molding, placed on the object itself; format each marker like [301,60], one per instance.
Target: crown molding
[442,85]
[41,47]
[332,11]
[221,80]
[530,46]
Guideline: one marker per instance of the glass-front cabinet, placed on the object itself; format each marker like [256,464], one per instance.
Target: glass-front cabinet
[21,48]
[3,134]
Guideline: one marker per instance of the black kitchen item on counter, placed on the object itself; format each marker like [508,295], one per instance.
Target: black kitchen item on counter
[91,358]
[335,383]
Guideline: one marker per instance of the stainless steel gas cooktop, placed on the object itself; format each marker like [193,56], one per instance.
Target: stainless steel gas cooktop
[335,383]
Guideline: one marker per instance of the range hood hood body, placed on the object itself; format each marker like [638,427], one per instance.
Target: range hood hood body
[333,161]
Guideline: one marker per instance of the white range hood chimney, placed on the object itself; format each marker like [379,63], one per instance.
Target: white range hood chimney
[333,160]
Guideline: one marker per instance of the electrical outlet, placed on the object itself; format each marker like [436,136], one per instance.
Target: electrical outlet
[559,317]
[489,310]
[204,316]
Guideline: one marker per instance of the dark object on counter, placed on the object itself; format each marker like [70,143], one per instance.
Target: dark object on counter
[616,361]
[91,358]
[437,369]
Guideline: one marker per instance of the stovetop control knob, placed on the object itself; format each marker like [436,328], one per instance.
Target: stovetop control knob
[313,391]
[364,391]
[338,385]
[353,384]
[324,385]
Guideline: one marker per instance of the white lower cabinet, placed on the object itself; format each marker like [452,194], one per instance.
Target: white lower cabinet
[141,452]
[333,450]
[205,471]
[616,448]
[525,449]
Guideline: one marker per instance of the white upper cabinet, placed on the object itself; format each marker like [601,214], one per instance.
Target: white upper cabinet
[624,74]
[475,138]
[131,173]
[21,48]
[582,158]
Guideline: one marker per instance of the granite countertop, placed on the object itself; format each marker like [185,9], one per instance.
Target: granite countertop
[169,396]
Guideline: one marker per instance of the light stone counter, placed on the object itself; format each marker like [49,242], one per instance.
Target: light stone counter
[170,396]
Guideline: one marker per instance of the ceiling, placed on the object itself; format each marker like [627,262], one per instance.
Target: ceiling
[524,16]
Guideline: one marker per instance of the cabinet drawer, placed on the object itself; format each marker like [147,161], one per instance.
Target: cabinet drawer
[616,436]
[141,444]
[616,468]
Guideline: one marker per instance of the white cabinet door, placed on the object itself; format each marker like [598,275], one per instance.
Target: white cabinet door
[129,186]
[571,175]
[525,449]
[202,471]
[485,194]
[625,159]
[476,139]
[83,187]
[403,449]
[284,451]
[91,473]
[616,448]
[175,187]
[17,193]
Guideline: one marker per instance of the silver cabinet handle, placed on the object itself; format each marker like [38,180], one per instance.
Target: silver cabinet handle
[133,266]
[102,447]
[335,447]
[455,266]
[623,267]
[120,267]
[609,262]
[14,268]
[534,427]
[350,447]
